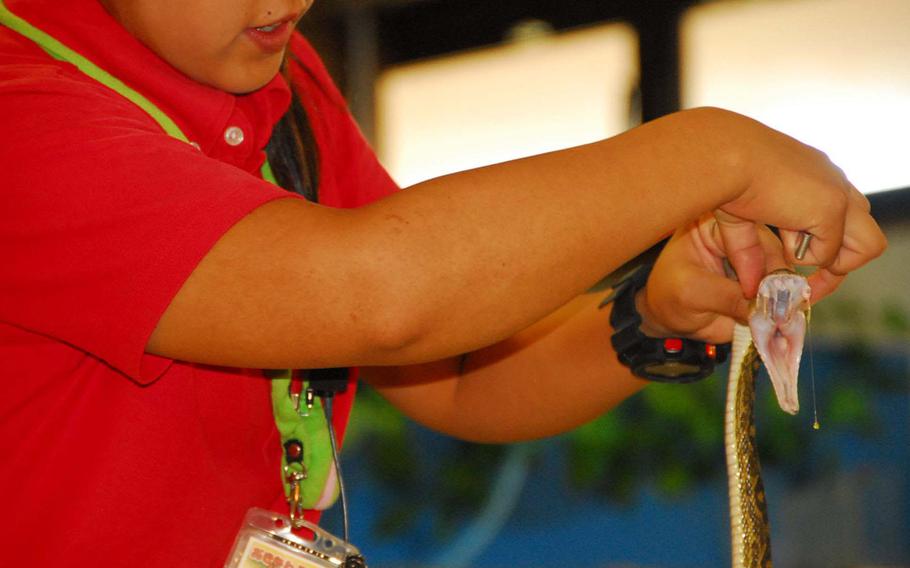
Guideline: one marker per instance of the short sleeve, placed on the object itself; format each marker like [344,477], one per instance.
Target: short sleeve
[103,216]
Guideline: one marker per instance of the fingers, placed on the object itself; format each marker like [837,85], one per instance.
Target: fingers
[798,189]
[759,250]
[692,302]
[827,236]
[709,236]
[743,248]
[861,240]
[688,292]
[753,251]
[838,246]
[856,252]
[775,257]
[860,199]
[823,282]
[716,294]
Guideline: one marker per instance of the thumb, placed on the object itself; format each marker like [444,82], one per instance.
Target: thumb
[717,294]
[744,250]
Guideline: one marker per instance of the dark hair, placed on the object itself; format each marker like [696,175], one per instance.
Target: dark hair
[292,148]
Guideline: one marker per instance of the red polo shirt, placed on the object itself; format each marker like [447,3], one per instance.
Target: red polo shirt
[108,455]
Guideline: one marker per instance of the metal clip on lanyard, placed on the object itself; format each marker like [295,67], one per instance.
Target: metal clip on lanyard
[319,453]
[308,444]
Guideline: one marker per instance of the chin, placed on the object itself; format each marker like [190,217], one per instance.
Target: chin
[246,80]
[245,85]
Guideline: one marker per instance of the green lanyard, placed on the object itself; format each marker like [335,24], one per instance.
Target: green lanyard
[61,52]
[310,461]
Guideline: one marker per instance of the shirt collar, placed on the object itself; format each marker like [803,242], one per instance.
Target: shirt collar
[202,112]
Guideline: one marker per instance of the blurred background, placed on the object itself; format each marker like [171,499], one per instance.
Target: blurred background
[443,85]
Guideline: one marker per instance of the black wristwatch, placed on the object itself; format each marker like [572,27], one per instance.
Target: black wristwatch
[664,359]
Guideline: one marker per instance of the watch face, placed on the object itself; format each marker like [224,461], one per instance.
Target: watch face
[672,369]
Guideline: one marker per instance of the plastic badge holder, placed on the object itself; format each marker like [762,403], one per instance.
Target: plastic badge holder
[266,541]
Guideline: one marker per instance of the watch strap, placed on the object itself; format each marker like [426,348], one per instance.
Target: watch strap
[670,359]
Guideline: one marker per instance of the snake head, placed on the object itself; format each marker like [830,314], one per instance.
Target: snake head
[778,323]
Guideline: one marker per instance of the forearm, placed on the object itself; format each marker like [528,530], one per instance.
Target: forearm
[548,379]
[490,251]
[451,265]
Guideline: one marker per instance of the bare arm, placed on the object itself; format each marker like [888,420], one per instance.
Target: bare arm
[550,378]
[464,261]
[562,371]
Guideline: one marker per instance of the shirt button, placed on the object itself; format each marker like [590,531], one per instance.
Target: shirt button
[233,136]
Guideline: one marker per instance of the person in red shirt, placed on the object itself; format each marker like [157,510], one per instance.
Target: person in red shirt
[146,282]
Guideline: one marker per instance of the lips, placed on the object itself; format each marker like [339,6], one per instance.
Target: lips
[269,28]
[272,37]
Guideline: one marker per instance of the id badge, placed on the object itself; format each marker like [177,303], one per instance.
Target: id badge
[266,541]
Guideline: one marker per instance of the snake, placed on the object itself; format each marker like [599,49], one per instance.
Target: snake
[775,335]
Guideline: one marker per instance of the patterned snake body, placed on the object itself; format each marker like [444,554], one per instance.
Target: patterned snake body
[776,333]
[750,530]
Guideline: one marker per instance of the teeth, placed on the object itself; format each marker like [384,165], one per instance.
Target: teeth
[778,326]
[267,29]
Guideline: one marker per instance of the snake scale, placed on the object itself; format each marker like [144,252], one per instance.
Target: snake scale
[775,334]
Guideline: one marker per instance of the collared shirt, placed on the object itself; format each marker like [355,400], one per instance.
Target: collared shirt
[109,454]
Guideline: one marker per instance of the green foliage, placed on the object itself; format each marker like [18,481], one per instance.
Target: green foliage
[895,319]
[444,483]
[851,406]
[667,437]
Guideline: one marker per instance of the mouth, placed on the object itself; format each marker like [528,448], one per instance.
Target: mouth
[269,28]
[272,26]
[273,37]
[778,325]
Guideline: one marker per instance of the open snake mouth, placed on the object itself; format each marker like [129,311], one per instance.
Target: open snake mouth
[778,324]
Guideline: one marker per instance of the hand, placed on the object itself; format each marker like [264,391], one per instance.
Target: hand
[688,293]
[797,189]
